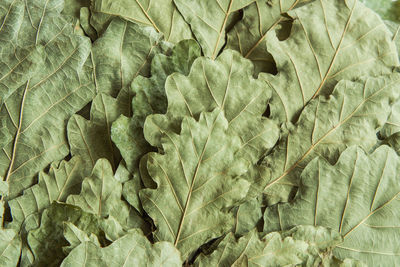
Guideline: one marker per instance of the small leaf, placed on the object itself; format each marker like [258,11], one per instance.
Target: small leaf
[122,53]
[91,140]
[249,35]
[64,178]
[162,15]
[101,195]
[208,20]
[76,236]
[150,98]
[132,249]
[48,240]
[250,250]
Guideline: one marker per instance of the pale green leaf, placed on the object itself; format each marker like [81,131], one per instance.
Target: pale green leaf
[249,35]
[84,19]
[226,83]
[72,7]
[122,53]
[195,182]
[149,98]
[250,250]
[387,9]
[247,216]
[101,195]
[299,246]
[92,139]
[358,197]
[330,40]
[327,126]
[10,247]
[149,93]
[130,191]
[132,249]
[392,125]
[48,240]
[101,192]
[162,15]
[63,86]
[63,178]
[393,141]
[208,20]
[15,67]
[76,236]
[127,134]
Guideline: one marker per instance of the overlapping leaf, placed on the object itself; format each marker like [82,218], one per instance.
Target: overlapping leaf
[101,195]
[208,20]
[249,250]
[249,35]
[301,246]
[15,69]
[48,240]
[92,139]
[327,126]
[162,15]
[63,86]
[195,182]
[226,83]
[149,98]
[10,247]
[64,178]
[389,10]
[132,249]
[76,236]
[122,53]
[329,41]
[358,197]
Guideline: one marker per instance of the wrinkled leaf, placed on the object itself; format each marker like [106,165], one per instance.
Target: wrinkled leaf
[358,197]
[208,20]
[330,40]
[48,240]
[249,35]
[162,15]
[327,126]
[149,98]
[63,178]
[132,249]
[226,83]
[101,195]
[63,86]
[123,52]
[195,181]
[10,247]
[250,250]
[76,236]
[92,139]
[149,93]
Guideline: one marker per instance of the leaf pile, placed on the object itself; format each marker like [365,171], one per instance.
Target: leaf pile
[199,133]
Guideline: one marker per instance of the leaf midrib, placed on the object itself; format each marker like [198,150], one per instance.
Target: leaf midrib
[294,166]
[193,183]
